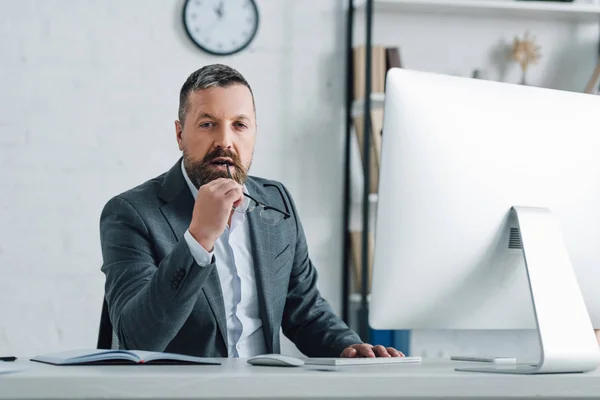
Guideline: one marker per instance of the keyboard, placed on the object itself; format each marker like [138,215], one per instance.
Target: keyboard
[361,361]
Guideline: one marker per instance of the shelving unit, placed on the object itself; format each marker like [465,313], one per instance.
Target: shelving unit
[508,8]
[361,207]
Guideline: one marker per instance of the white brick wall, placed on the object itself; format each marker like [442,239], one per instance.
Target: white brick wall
[89,92]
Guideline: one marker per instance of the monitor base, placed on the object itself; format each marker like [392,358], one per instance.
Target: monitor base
[567,340]
[492,360]
[522,369]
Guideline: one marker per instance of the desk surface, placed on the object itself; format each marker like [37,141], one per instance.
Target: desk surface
[237,379]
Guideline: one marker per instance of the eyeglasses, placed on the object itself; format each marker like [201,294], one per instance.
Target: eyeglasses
[269,215]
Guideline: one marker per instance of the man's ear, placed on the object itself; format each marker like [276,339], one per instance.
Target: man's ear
[179,134]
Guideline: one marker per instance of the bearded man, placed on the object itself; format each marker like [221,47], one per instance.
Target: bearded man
[208,261]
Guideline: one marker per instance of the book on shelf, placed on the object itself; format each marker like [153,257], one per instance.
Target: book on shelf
[356,249]
[109,357]
[374,135]
[392,58]
[383,58]
[377,70]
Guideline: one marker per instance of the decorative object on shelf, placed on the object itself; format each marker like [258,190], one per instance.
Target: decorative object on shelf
[525,52]
[478,74]
[593,85]
[221,27]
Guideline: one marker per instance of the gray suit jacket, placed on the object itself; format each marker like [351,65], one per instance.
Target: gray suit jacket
[159,299]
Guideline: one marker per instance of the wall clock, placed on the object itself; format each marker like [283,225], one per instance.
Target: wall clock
[221,27]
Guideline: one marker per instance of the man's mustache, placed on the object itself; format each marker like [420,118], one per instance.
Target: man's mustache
[223,153]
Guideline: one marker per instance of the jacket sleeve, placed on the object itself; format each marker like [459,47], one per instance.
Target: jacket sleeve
[308,319]
[148,302]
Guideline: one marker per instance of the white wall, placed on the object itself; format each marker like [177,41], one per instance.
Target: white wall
[89,92]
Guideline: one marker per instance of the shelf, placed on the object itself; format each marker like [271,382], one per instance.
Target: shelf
[499,8]
[358,106]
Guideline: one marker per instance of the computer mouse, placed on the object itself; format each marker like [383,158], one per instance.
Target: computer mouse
[276,360]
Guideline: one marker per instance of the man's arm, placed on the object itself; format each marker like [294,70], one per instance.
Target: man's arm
[148,303]
[308,319]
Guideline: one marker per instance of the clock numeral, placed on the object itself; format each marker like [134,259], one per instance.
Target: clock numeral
[207,40]
[198,3]
[233,43]
[197,30]
[245,33]
[220,45]
[250,20]
[193,15]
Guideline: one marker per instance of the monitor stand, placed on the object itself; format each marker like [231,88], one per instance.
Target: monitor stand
[567,340]
[491,359]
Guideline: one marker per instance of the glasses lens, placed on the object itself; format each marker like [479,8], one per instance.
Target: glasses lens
[246,206]
[271,217]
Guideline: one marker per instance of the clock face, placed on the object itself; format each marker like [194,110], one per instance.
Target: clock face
[221,27]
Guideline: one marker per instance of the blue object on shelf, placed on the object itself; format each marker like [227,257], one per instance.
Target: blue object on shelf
[400,340]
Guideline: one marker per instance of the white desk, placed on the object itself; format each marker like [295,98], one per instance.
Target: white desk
[237,379]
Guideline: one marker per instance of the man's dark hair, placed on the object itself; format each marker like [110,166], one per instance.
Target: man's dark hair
[214,75]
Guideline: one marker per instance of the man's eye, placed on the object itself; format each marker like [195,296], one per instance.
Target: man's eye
[240,125]
[206,125]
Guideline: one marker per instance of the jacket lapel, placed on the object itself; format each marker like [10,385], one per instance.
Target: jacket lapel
[177,210]
[262,237]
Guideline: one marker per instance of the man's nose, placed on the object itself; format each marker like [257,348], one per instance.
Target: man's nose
[224,137]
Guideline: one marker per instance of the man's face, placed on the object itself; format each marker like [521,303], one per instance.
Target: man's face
[219,128]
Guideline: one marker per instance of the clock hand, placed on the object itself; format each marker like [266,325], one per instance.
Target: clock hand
[219,9]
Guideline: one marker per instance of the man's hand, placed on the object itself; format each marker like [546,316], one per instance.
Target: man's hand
[367,350]
[212,210]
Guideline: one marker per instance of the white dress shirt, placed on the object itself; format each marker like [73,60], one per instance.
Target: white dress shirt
[232,251]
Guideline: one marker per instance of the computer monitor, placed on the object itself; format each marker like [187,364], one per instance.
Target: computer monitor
[474,175]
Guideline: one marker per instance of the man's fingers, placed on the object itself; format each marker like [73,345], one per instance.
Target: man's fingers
[394,353]
[216,183]
[225,186]
[369,351]
[365,350]
[234,194]
[349,352]
[380,351]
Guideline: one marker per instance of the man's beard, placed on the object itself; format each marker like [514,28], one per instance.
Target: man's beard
[202,172]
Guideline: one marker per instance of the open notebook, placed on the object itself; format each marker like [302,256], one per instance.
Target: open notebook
[107,357]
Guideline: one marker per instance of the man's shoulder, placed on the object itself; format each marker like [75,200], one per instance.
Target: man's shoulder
[261,184]
[262,181]
[146,192]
